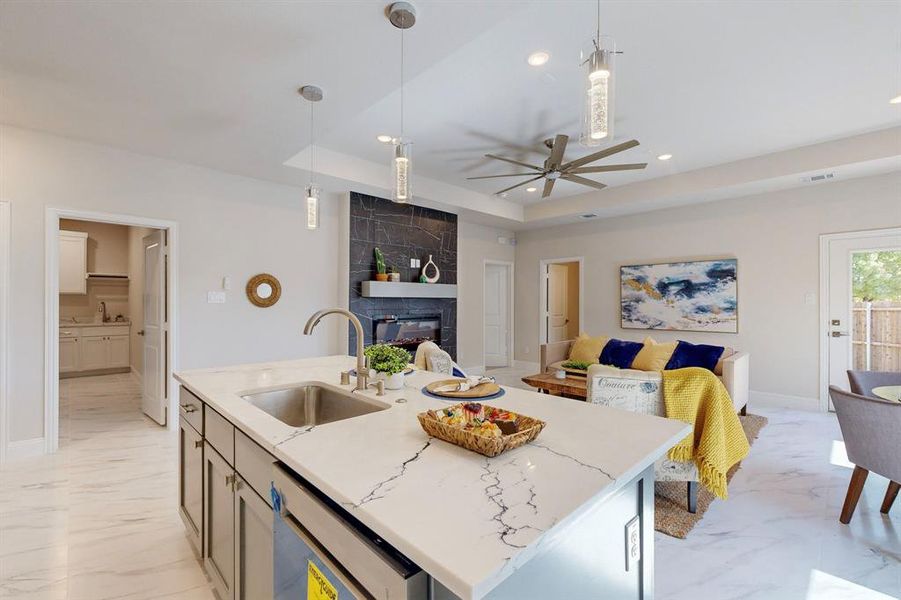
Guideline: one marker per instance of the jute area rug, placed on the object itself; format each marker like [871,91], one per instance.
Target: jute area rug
[671,514]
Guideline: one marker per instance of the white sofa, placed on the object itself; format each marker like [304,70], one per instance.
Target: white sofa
[732,369]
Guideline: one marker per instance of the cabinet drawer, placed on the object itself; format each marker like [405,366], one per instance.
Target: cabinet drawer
[98,331]
[254,464]
[219,432]
[190,409]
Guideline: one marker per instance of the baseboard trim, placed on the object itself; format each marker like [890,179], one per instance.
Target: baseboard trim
[773,400]
[137,377]
[93,372]
[25,448]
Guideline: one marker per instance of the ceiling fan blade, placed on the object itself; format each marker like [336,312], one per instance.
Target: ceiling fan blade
[519,184]
[608,168]
[584,181]
[548,187]
[557,150]
[599,155]
[507,175]
[515,162]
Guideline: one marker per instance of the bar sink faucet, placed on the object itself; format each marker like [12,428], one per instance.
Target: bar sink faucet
[362,370]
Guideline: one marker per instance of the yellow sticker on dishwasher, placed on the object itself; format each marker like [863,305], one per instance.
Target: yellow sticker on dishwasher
[318,586]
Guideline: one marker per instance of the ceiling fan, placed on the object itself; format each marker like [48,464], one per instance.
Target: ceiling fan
[554,168]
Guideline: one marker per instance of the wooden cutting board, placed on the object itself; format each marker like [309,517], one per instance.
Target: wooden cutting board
[480,391]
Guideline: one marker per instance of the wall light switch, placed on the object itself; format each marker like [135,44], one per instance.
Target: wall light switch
[414,263]
[226,283]
[810,299]
[215,297]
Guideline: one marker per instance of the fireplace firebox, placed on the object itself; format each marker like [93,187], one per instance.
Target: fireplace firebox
[406,331]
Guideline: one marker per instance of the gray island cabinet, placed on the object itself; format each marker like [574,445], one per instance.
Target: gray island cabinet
[366,505]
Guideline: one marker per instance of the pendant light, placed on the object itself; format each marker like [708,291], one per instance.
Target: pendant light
[598,102]
[312,94]
[403,16]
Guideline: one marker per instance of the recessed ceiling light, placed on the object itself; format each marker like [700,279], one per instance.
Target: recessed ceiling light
[895,100]
[531,189]
[384,138]
[536,59]
[664,157]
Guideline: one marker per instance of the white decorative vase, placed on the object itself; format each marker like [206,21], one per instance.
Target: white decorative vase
[393,382]
[434,278]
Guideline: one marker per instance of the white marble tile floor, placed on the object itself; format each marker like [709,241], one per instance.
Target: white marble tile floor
[98,519]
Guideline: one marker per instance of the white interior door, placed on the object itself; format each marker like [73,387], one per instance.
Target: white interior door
[154,365]
[841,333]
[557,303]
[496,320]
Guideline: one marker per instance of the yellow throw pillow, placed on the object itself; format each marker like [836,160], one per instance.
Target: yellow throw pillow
[653,356]
[586,348]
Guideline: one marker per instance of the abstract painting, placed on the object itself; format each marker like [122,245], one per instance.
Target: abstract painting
[685,296]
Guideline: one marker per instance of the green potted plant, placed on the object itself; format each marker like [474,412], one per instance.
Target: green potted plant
[389,362]
[381,272]
[393,274]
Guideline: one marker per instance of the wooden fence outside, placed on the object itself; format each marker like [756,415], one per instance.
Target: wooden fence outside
[882,337]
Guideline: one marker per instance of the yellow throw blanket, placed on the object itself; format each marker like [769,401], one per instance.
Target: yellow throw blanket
[697,397]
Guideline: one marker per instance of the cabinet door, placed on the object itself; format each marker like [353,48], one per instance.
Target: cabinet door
[68,355]
[253,545]
[73,262]
[117,347]
[190,482]
[93,353]
[218,522]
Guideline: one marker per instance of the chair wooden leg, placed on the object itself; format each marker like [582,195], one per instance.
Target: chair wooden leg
[890,494]
[855,487]
[692,497]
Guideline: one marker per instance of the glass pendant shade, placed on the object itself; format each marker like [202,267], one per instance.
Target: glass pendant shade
[401,170]
[598,101]
[312,207]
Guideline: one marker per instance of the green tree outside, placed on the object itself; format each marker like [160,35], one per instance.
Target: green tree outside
[876,276]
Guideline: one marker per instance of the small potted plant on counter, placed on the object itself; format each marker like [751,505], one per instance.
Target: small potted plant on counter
[381,270]
[393,274]
[389,362]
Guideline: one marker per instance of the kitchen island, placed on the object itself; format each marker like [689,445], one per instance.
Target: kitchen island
[547,520]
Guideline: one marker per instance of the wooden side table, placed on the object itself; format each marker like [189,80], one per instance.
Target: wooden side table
[571,387]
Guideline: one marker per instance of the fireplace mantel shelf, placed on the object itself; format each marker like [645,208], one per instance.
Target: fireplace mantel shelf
[402,289]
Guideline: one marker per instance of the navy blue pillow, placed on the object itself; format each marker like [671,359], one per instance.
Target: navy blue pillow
[695,355]
[620,353]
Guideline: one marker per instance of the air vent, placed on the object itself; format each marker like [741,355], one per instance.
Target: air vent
[819,177]
[588,216]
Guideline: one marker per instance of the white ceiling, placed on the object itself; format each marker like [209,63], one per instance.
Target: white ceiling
[214,83]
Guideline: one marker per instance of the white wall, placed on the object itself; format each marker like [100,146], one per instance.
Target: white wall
[475,244]
[775,237]
[228,225]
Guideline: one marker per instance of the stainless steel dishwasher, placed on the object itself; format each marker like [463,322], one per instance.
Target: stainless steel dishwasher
[322,551]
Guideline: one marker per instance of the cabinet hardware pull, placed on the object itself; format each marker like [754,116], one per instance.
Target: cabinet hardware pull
[198,443]
[189,408]
[230,481]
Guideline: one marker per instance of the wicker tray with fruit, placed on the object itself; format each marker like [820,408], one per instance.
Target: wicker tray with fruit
[487,430]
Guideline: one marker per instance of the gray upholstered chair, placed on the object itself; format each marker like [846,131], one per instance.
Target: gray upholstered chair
[872,431]
[863,382]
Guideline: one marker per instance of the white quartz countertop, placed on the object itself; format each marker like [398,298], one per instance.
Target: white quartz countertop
[467,520]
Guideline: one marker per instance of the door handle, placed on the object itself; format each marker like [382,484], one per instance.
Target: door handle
[840,333]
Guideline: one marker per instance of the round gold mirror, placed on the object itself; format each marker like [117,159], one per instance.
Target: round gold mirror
[263,290]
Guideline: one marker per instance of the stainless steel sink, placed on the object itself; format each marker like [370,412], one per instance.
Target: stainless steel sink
[311,404]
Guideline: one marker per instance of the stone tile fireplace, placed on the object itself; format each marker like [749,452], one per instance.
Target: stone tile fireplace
[402,232]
